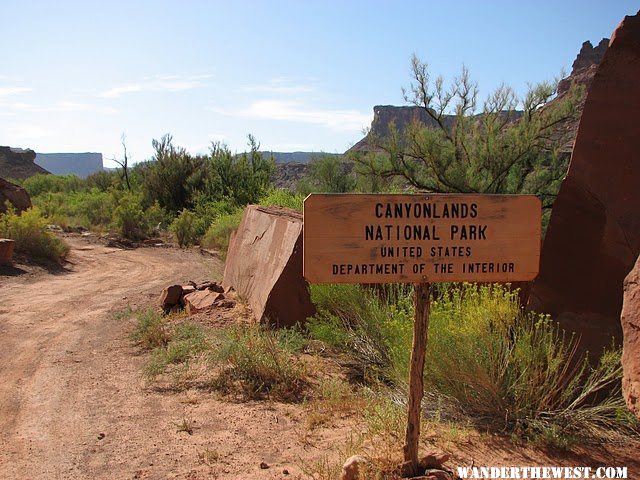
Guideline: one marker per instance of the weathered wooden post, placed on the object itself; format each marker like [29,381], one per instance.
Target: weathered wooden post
[416,375]
[420,239]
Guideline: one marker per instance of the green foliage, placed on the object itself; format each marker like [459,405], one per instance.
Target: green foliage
[374,329]
[485,358]
[280,197]
[172,177]
[244,178]
[183,343]
[508,146]
[183,228]
[41,183]
[29,230]
[328,174]
[129,217]
[151,330]
[260,360]
[219,233]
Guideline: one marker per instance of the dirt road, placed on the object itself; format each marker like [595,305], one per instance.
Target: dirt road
[73,403]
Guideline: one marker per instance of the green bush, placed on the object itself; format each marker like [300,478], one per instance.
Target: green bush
[151,330]
[219,233]
[129,218]
[485,358]
[45,183]
[281,197]
[183,228]
[29,230]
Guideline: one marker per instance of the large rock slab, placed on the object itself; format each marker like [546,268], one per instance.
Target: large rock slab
[593,237]
[6,251]
[264,265]
[15,194]
[630,319]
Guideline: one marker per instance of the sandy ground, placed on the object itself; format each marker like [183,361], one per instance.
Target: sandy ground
[73,403]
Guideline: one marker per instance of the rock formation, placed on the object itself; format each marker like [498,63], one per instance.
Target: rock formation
[80,164]
[15,194]
[583,70]
[18,163]
[264,265]
[593,237]
[630,320]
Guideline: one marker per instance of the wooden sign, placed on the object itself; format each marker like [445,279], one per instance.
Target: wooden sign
[358,238]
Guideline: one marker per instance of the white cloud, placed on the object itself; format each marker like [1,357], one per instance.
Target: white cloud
[64,106]
[28,132]
[293,111]
[162,83]
[5,91]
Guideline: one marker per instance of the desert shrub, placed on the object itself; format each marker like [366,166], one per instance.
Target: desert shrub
[207,211]
[151,330]
[43,183]
[183,228]
[281,197]
[129,217]
[328,173]
[183,342]
[103,180]
[219,233]
[29,230]
[485,358]
[375,329]
[260,362]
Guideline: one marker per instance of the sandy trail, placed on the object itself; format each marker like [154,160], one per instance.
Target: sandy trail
[74,405]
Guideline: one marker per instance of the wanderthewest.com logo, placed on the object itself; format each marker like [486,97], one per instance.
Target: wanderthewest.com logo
[540,472]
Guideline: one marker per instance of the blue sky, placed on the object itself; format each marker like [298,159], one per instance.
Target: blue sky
[298,75]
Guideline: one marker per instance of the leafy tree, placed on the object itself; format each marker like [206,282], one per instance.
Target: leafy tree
[510,145]
[172,177]
[241,178]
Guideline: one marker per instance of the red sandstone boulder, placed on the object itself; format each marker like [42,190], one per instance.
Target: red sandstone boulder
[201,300]
[170,297]
[593,237]
[6,251]
[15,194]
[631,345]
[264,265]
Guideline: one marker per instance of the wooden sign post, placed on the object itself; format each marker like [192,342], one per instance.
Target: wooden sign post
[362,238]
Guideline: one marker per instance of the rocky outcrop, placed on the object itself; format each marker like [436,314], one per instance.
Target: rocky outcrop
[583,70]
[630,320]
[15,195]
[400,117]
[593,238]
[287,175]
[80,164]
[6,251]
[264,266]
[18,163]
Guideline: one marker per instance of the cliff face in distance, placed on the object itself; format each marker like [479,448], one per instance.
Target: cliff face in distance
[80,164]
[18,163]
[582,72]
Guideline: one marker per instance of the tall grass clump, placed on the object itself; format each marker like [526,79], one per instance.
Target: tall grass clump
[261,362]
[29,230]
[373,326]
[486,359]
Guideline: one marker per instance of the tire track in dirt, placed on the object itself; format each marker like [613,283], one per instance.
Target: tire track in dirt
[65,361]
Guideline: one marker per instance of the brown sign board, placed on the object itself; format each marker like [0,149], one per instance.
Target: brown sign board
[363,238]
